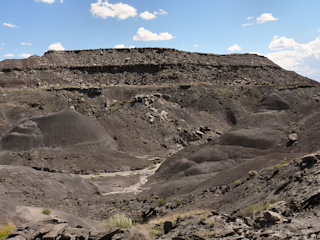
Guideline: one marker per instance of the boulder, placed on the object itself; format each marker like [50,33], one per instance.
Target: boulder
[271,216]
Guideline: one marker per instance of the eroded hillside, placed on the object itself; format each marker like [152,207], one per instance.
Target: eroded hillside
[208,120]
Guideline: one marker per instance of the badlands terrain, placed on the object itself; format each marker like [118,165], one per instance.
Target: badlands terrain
[186,145]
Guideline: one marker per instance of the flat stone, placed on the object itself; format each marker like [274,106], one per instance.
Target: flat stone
[56,231]
[18,237]
[271,216]
[293,137]
[75,233]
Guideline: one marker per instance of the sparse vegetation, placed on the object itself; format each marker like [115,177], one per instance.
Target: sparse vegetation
[152,167]
[119,220]
[255,207]
[5,230]
[161,202]
[46,211]
[177,202]
[238,183]
[153,226]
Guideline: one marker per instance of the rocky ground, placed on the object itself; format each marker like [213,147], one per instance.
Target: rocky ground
[83,134]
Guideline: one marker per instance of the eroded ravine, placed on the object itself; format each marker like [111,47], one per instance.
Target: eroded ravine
[126,182]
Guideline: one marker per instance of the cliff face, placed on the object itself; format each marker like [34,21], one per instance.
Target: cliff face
[141,66]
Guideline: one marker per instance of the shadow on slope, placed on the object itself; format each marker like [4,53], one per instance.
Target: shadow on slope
[257,141]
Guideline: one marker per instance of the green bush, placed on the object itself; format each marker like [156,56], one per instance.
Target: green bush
[46,212]
[238,183]
[118,221]
[5,230]
[161,202]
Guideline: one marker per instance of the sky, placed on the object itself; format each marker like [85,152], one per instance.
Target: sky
[285,31]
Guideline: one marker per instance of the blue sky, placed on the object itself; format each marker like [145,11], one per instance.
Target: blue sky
[286,31]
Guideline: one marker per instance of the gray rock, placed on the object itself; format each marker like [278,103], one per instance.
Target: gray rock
[271,216]
[167,226]
[56,231]
[293,137]
[75,234]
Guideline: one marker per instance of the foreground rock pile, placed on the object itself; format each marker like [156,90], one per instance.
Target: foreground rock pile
[57,228]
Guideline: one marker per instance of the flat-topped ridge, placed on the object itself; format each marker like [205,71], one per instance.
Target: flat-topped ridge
[142,66]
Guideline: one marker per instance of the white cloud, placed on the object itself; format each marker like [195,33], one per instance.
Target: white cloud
[145,35]
[266,17]
[304,58]
[123,46]
[56,46]
[281,43]
[147,15]
[249,18]
[46,1]
[234,48]
[24,43]
[196,45]
[25,55]
[247,24]
[120,10]
[162,12]
[10,25]
[61,1]
[9,55]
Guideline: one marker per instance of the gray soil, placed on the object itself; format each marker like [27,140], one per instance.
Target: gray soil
[88,134]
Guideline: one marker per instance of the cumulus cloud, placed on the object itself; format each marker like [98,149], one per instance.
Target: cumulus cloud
[56,46]
[147,15]
[123,46]
[304,58]
[162,12]
[25,55]
[105,9]
[45,1]
[196,45]
[234,48]
[10,25]
[247,24]
[281,43]
[27,44]
[145,35]
[266,17]
[9,55]
[249,18]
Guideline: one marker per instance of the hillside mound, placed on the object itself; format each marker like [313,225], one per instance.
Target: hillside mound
[65,141]
[64,129]
[42,189]
[263,138]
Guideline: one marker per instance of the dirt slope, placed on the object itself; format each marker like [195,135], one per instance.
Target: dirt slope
[110,110]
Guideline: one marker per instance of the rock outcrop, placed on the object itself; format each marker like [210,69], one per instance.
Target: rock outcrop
[57,228]
[147,65]
[232,133]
